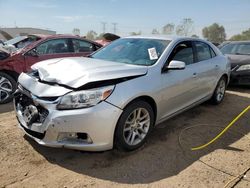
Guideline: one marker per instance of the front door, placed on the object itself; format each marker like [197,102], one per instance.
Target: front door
[179,86]
[55,48]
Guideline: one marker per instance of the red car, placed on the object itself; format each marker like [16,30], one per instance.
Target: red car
[52,46]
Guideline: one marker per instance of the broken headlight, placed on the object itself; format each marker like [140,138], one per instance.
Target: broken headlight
[85,98]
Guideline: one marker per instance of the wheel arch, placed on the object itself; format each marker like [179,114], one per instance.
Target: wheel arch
[147,99]
[13,74]
[226,77]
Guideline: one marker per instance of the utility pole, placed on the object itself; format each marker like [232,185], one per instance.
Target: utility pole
[103,26]
[114,24]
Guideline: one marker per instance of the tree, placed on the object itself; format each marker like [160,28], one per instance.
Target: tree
[245,35]
[168,29]
[91,35]
[155,32]
[195,36]
[135,33]
[185,28]
[214,33]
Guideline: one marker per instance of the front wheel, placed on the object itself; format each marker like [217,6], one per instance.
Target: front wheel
[219,92]
[7,87]
[134,126]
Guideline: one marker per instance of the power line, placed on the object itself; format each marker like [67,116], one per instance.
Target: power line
[114,24]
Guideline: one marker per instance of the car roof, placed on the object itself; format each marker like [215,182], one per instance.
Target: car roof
[239,42]
[166,37]
[57,36]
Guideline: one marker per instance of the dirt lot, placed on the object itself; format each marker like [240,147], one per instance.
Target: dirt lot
[162,162]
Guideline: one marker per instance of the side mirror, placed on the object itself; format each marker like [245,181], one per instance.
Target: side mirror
[32,53]
[175,65]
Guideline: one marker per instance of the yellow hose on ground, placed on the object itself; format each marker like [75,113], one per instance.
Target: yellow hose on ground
[222,132]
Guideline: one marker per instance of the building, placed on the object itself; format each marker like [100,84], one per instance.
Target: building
[9,33]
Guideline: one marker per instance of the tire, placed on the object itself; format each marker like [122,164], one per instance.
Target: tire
[134,126]
[219,91]
[7,87]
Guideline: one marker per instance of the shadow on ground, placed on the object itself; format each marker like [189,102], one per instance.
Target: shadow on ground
[6,107]
[162,156]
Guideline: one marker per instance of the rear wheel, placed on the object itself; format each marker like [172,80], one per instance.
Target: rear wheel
[219,92]
[134,126]
[7,87]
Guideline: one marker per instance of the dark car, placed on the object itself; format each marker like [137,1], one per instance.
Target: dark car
[53,46]
[238,54]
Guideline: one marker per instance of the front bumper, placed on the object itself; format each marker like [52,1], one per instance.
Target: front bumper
[240,78]
[54,126]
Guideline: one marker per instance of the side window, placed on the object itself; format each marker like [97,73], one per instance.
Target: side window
[243,49]
[82,46]
[53,47]
[183,52]
[203,51]
[229,49]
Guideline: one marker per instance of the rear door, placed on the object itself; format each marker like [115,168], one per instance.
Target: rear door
[207,69]
[82,47]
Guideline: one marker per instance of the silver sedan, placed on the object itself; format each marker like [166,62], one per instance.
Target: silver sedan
[115,97]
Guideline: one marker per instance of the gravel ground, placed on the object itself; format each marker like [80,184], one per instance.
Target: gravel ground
[165,161]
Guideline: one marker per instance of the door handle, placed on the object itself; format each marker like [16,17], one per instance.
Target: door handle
[216,66]
[194,75]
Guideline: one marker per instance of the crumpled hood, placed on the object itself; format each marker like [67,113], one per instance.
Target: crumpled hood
[77,71]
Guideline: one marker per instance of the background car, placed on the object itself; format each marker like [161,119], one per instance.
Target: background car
[46,47]
[238,53]
[116,97]
[107,38]
[20,42]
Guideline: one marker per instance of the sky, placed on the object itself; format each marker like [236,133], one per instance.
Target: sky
[63,16]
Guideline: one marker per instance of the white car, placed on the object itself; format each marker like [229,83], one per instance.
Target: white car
[116,97]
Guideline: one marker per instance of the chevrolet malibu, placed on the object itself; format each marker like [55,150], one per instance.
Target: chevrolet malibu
[115,97]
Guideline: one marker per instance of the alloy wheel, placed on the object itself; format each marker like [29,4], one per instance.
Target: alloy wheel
[220,90]
[5,88]
[136,126]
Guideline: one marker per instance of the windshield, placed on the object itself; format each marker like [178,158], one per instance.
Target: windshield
[137,51]
[238,49]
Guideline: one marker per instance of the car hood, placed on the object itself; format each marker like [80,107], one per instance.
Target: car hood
[79,71]
[238,59]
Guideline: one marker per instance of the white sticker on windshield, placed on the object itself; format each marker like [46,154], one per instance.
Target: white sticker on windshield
[152,54]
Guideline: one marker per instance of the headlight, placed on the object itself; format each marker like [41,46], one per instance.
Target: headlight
[244,67]
[85,98]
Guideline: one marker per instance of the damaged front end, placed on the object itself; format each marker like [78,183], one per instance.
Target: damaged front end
[59,115]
